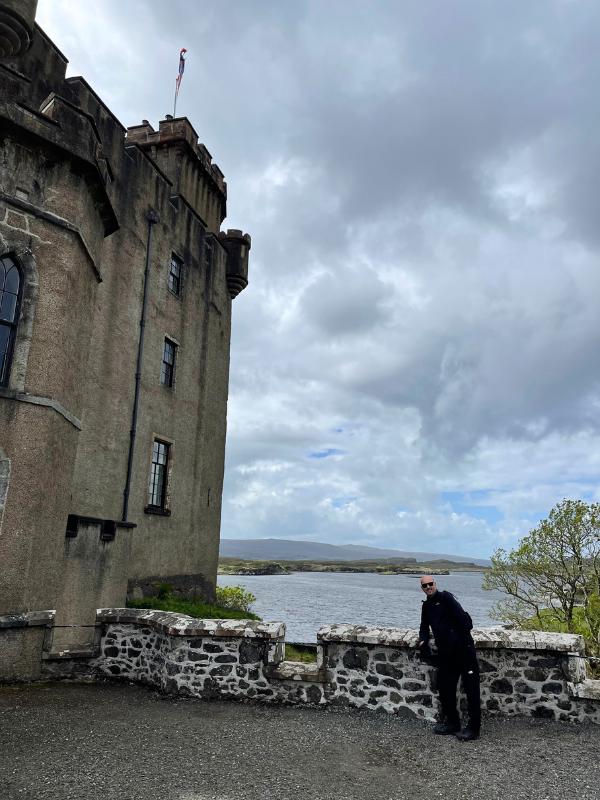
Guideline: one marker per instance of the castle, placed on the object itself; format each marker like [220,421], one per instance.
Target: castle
[116,288]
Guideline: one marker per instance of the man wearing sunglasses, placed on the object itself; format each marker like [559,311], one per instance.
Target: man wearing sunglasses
[442,614]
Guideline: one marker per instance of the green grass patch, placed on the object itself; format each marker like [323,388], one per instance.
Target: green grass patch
[303,654]
[193,608]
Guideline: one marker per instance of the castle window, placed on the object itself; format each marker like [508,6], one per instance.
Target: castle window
[157,487]
[167,371]
[174,279]
[10,286]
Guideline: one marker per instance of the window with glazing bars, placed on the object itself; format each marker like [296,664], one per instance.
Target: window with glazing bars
[174,281]
[10,283]
[167,371]
[157,488]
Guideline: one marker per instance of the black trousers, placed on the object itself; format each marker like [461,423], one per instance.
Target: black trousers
[461,665]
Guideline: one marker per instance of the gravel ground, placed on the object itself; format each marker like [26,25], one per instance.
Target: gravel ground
[113,741]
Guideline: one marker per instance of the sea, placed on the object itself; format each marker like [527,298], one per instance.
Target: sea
[307,600]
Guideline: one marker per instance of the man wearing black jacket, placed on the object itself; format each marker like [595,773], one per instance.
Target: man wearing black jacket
[451,625]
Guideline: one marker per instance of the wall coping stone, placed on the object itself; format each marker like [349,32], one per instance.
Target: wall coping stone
[298,671]
[368,634]
[484,638]
[27,619]
[587,690]
[492,638]
[182,625]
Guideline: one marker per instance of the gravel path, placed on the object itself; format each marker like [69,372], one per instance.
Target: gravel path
[116,741]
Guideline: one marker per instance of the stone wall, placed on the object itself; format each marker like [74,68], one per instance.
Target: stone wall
[23,639]
[541,675]
[522,672]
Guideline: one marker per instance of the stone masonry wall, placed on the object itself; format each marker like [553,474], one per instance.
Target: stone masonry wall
[522,673]
[540,675]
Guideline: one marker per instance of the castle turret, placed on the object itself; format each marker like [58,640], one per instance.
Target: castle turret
[237,245]
[188,165]
[16,26]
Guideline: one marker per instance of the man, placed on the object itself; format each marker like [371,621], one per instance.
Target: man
[451,626]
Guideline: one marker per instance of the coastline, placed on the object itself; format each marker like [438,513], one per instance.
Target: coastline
[240,567]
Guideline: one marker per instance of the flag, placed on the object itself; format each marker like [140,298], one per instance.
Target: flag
[181,68]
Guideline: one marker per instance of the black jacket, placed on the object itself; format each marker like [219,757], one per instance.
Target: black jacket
[450,623]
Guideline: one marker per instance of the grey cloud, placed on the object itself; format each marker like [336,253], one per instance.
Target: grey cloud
[419,180]
[345,303]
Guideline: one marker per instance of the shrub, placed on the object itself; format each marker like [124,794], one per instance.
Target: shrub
[164,591]
[235,597]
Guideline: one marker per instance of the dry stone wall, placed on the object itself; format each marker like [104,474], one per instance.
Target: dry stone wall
[541,675]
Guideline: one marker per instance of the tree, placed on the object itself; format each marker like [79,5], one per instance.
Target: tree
[552,579]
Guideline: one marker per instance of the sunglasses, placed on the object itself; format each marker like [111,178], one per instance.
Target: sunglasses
[426,585]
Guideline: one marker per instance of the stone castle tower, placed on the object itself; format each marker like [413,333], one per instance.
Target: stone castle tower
[116,288]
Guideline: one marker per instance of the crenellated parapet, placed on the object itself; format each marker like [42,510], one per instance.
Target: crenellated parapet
[176,150]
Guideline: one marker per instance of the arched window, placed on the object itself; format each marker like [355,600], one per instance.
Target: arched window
[10,286]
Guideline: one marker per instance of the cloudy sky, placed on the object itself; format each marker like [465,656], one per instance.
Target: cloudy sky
[415,363]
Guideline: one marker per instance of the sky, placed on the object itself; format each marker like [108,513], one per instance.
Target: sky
[415,363]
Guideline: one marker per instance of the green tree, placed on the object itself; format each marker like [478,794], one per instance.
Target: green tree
[552,579]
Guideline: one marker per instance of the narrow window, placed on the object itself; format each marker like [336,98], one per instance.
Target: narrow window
[174,281]
[157,488]
[167,371]
[10,284]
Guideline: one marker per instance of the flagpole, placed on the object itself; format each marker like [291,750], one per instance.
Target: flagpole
[178,78]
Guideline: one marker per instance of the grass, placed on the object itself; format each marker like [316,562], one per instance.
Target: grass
[193,608]
[303,654]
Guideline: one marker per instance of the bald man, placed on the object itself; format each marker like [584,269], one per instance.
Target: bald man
[451,625]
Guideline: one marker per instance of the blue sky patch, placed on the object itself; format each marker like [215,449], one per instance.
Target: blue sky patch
[329,451]
[473,504]
[340,502]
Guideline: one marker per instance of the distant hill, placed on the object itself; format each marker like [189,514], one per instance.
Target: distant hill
[295,550]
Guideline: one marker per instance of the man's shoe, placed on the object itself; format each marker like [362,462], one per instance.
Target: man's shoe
[446,729]
[468,734]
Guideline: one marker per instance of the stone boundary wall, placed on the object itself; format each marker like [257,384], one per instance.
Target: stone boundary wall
[23,638]
[522,673]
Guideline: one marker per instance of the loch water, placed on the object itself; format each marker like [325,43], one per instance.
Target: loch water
[307,600]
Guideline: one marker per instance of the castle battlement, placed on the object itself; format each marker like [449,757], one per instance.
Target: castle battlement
[177,151]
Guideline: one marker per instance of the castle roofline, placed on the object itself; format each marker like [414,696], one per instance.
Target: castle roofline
[75,79]
[56,49]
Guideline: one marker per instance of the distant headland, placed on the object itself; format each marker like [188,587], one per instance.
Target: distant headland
[391,566]
[298,555]
[284,556]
